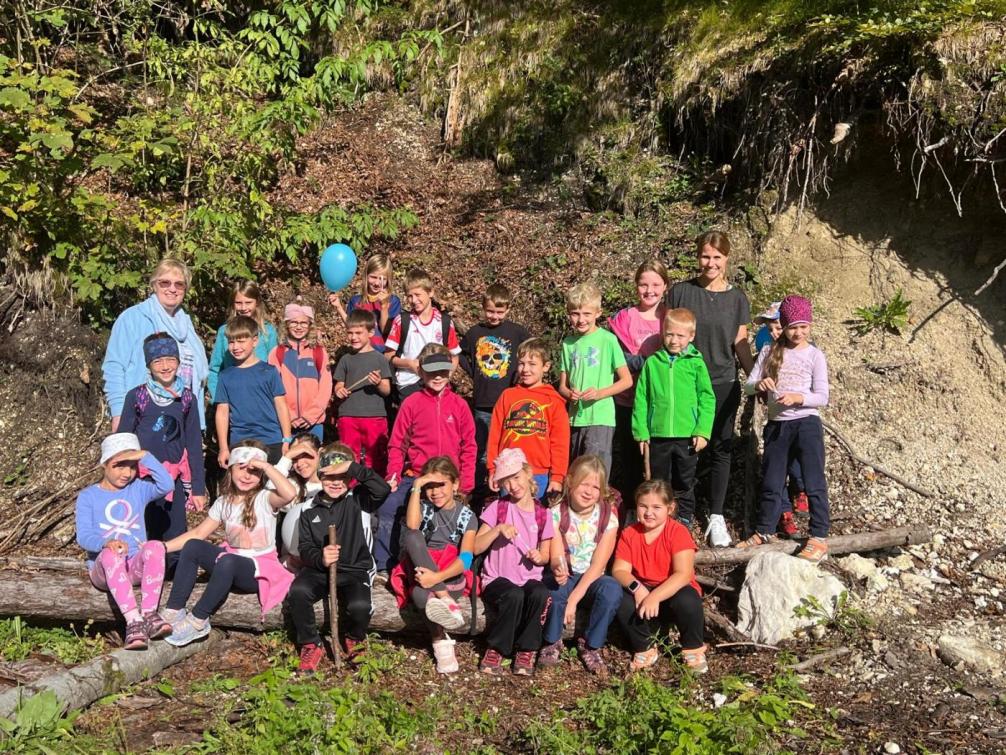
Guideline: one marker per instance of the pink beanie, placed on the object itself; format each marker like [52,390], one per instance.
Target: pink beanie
[295,310]
[795,310]
[509,462]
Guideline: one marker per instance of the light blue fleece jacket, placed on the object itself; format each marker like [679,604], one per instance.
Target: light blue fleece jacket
[221,358]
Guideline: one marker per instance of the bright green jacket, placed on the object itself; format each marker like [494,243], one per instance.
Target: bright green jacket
[674,399]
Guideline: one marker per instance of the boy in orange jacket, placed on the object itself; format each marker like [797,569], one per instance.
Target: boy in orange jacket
[532,416]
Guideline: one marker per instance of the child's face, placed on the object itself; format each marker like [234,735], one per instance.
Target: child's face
[440,489]
[245,477]
[419,299]
[652,511]
[584,319]
[531,370]
[245,305]
[164,369]
[241,348]
[358,337]
[335,485]
[798,334]
[587,492]
[650,289]
[774,329]
[494,314]
[517,486]
[119,472]
[298,328]
[712,263]
[377,281]
[435,381]
[305,460]
[677,337]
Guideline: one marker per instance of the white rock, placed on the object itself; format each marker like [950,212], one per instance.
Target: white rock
[969,651]
[916,582]
[718,699]
[904,562]
[893,748]
[857,566]
[774,587]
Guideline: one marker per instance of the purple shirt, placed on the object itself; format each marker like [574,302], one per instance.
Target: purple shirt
[803,371]
[506,557]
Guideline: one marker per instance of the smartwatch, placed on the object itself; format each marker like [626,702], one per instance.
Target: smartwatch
[633,585]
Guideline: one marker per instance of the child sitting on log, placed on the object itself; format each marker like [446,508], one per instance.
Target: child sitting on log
[110,527]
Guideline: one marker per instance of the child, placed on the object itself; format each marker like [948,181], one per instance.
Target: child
[110,528]
[375,297]
[434,422]
[532,417]
[794,375]
[336,505]
[439,538]
[487,355]
[247,562]
[251,400]
[592,370]
[655,563]
[672,417]
[517,531]
[162,414]
[638,331]
[245,300]
[362,382]
[586,526]
[303,366]
[299,465]
[410,332]
[770,329]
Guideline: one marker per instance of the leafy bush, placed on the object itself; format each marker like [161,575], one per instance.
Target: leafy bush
[37,726]
[890,316]
[19,640]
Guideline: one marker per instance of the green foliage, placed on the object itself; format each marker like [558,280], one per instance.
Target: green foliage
[844,617]
[37,726]
[890,316]
[19,640]
[379,659]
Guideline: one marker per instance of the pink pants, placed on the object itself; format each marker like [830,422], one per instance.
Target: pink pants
[120,574]
[370,434]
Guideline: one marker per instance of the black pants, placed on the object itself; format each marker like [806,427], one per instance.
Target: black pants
[519,614]
[415,546]
[228,573]
[675,460]
[311,585]
[683,609]
[802,439]
[718,453]
[626,461]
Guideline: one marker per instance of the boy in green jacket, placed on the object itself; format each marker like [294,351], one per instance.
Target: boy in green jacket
[674,409]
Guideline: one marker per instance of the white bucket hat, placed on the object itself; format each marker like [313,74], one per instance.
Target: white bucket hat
[116,443]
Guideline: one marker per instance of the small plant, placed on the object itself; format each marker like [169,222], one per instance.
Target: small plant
[379,659]
[19,640]
[37,726]
[845,618]
[891,316]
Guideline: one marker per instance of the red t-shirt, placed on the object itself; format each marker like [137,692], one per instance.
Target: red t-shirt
[652,562]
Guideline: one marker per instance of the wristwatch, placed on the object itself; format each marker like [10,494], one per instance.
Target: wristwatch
[633,585]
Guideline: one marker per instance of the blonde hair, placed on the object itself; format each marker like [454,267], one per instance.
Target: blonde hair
[249,289]
[653,266]
[583,295]
[377,263]
[718,240]
[175,265]
[680,316]
[580,468]
[244,498]
[418,278]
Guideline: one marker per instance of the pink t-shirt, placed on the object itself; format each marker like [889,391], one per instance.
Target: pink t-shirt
[506,557]
[637,336]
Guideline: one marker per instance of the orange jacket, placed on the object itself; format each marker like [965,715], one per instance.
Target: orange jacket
[535,421]
[308,389]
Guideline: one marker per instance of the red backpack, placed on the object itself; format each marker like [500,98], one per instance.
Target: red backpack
[317,354]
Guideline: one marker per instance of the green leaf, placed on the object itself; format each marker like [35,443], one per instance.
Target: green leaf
[58,142]
[15,98]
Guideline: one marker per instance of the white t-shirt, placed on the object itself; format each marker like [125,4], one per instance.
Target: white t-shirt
[418,336]
[580,537]
[256,541]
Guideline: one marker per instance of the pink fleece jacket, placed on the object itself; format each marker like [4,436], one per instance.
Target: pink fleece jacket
[308,390]
[428,425]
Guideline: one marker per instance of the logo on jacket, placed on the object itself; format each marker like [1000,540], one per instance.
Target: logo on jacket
[492,354]
[524,420]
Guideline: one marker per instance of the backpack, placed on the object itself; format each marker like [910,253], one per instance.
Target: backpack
[143,401]
[540,513]
[445,328]
[429,512]
[610,506]
[316,354]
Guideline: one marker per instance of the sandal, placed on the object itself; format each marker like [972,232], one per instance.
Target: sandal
[136,636]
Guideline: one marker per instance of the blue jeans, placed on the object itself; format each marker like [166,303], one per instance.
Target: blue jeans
[389,525]
[604,596]
[482,421]
[804,439]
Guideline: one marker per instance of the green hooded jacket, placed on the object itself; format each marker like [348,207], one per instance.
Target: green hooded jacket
[674,398]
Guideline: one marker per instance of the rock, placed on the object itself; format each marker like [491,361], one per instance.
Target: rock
[916,582]
[863,568]
[904,562]
[968,651]
[893,748]
[718,700]
[775,585]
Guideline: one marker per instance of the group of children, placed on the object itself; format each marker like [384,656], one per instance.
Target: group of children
[508,496]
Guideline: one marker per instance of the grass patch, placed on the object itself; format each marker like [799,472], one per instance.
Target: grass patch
[18,640]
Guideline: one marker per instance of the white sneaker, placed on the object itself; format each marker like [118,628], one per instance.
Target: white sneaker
[717,532]
[443,651]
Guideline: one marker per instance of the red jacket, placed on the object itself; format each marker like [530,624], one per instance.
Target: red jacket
[535,421]
[428,425]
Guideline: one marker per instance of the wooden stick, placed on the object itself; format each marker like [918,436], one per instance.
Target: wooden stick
[990,553]
[817,660]
[333,604]
[758,645]
[720,621]
[359,383]
[869,463]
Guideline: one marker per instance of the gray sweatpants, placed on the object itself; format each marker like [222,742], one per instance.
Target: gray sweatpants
[592,439]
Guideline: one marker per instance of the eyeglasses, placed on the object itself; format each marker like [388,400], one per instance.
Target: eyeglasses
[166,285]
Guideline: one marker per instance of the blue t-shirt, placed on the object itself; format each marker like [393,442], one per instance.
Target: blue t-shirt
[251,392]
[394,309]
[763,339]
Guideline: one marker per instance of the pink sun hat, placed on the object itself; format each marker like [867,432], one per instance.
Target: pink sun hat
[509,462]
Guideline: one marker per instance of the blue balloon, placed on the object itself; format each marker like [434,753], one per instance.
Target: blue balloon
[338,266]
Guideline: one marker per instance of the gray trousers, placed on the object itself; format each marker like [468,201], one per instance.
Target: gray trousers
[592,439]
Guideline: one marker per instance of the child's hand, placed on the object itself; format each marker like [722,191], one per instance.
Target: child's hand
[766,384]
[507,530]
[559,572]
[425,577]
[383,299]
[569,617]
[374,377]
[393,482]
[263,465]
[341,392]
[493,485]
[574,395]
[335,302]
[301,424]
[198,502]
[642,593]
[330,554]
[223,457]
[118,547]
[649,607]
[588,395]
[554,486]
[535,557]
[643,445]
[790,399]
[341,468]
[699,443]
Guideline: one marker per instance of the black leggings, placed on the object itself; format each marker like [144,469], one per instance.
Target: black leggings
[228,573]
[718,453]
[683,609]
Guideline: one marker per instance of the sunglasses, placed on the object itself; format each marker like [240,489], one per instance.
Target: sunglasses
[331,459]
[169,285]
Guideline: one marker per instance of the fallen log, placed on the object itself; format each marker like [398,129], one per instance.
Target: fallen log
[837,545]
[80,686]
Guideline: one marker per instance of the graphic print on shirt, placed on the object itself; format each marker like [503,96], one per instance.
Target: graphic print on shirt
[119,525]
[168,427]
[589,358]
[525,419]
[492,354]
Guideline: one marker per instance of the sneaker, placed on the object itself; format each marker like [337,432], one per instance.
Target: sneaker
[695,659]
[188,630]
[173,615]
[136,636]
[443,651]
[523,662]
[446,613]
[801,504]
[591,659]
[310,657]
[717,532]
[492,663]
[549,655]
[157,627]
[644,659]
[814,550]
[787,525]
[757,539]
[353,648]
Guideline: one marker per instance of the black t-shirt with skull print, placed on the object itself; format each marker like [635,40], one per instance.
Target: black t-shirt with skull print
[489,356]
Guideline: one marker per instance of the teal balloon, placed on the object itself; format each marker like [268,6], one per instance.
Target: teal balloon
[338,266]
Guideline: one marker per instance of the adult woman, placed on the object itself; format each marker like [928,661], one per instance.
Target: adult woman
[722,313]
[124,366]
